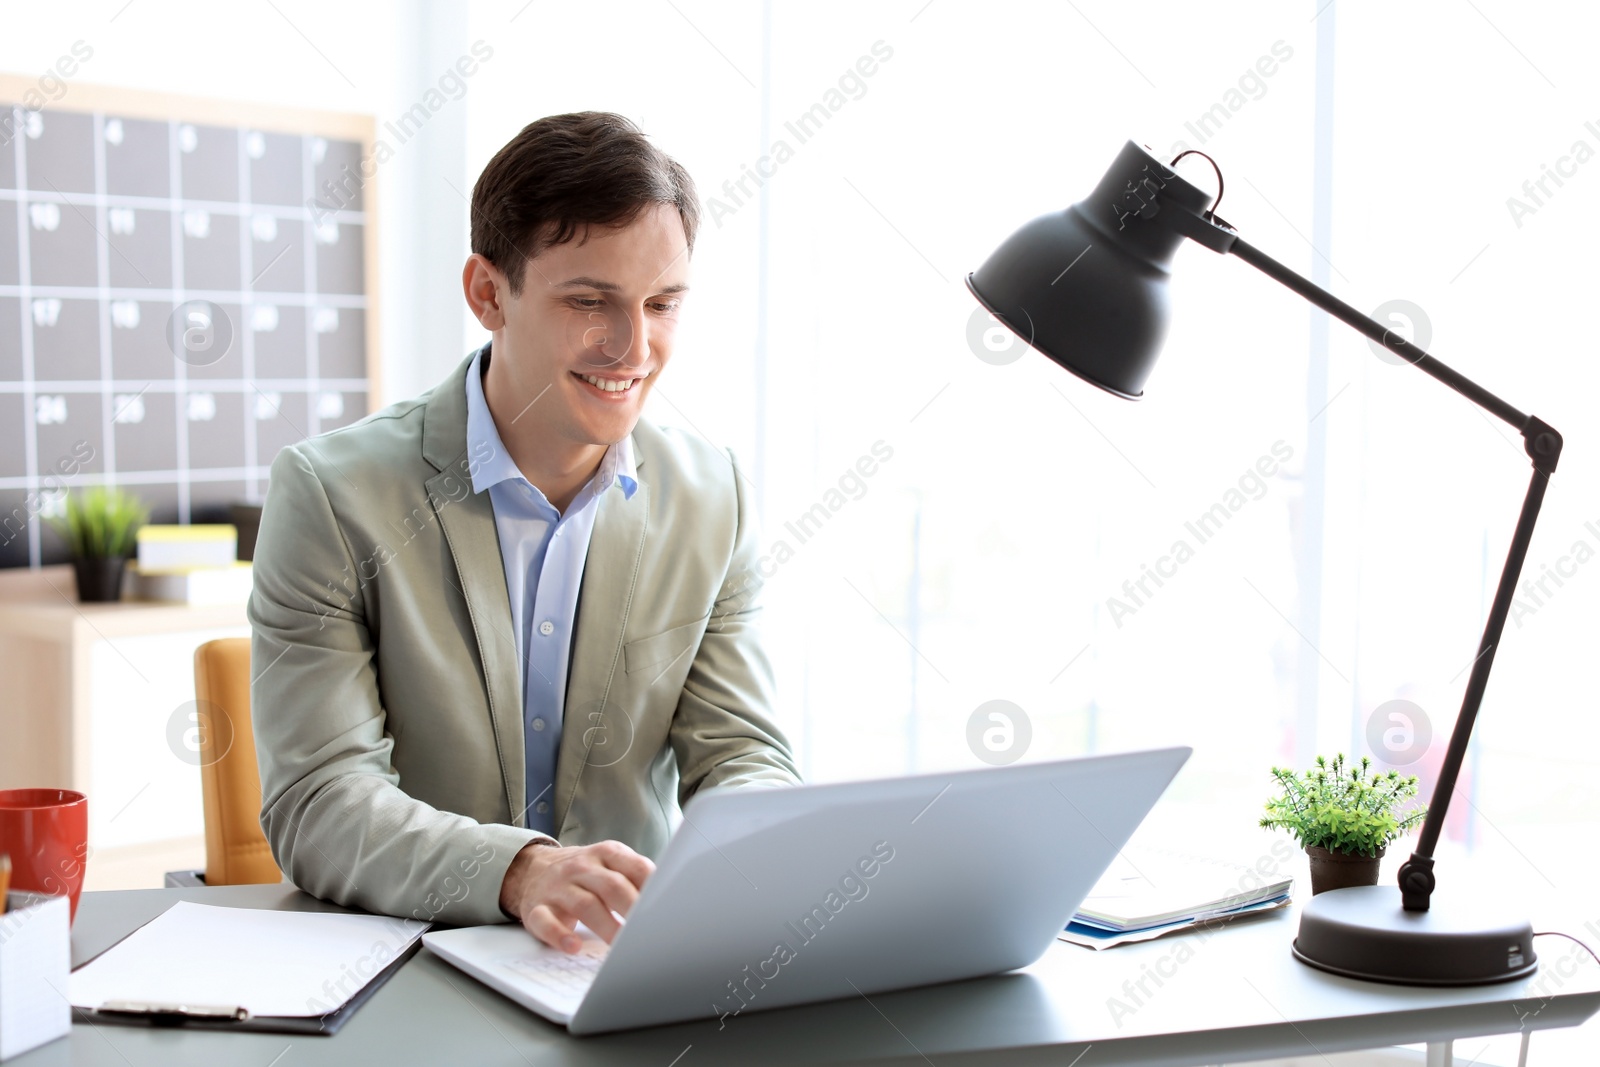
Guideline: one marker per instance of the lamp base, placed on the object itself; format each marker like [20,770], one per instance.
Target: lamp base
[1363,932]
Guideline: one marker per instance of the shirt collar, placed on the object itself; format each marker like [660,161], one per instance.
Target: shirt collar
[483,440]
[619,460]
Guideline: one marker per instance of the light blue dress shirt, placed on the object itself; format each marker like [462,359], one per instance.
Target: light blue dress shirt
[543,552]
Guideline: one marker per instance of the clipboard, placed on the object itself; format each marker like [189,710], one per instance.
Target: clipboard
[236,1019]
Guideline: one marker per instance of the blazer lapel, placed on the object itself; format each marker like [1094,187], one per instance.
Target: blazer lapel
[467,519]
[591,727]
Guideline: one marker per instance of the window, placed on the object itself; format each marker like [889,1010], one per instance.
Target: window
[948,526]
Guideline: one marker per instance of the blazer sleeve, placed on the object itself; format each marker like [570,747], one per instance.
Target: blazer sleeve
[332,808]
[723,732]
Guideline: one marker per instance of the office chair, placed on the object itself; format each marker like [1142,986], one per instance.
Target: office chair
[237,852]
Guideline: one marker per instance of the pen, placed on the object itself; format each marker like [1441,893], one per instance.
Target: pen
[5,880]
[159,1012]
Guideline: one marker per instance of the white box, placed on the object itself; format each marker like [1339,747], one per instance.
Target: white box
[163,548]
[35,956]
[196,586]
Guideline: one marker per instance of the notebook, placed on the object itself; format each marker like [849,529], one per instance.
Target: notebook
[1149,892]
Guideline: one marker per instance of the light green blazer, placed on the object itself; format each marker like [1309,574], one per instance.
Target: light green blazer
[386,693]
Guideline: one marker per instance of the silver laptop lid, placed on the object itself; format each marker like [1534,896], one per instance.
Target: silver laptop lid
[768,897]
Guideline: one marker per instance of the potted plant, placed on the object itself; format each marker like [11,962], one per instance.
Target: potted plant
[100,526]
[1343,817]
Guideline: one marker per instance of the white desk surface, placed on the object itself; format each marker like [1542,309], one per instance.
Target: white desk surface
[1233,995]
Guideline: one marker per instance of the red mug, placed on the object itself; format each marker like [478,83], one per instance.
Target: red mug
[46,834]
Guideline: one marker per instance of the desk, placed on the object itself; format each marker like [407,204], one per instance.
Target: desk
[1234,995]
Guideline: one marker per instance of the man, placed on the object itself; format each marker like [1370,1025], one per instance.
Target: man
[503,630]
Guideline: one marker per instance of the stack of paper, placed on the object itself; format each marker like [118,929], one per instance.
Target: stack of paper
[171,548]
[1149,892]
[190,564]
[199,586]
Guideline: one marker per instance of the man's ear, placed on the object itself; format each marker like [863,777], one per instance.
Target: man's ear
[484,287]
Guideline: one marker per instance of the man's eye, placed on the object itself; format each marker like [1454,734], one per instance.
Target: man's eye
[587,302]
[665,306]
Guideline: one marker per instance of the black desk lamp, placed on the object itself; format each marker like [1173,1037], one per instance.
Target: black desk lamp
[1103,319]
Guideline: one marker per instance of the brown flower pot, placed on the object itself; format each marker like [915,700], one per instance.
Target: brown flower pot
[99,578]
[1341,870]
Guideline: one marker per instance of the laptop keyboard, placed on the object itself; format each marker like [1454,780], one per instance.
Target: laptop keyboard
[558,973]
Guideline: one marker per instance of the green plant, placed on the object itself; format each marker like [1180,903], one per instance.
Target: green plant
[1343,810]
[101,523]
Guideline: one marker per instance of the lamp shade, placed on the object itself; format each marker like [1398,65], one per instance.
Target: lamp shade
[1087,286]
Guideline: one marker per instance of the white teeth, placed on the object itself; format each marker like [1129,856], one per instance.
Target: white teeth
[609,386]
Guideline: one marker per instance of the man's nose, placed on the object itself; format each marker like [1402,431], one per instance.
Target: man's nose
[616,338]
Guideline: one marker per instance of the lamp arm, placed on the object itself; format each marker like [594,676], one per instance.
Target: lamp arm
[1416,874]
[1543,445]
[1376,331]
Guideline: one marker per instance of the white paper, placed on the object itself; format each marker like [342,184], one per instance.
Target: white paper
[278,963]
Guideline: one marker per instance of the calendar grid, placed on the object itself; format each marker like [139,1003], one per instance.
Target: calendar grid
[131,385]
[180,371]
[109,248]
[203,474]
[308,189]
[247,338]
[102,266]
[30,436]
[343,215]
[89,292]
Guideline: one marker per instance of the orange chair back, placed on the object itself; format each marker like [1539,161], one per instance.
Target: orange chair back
[237,852]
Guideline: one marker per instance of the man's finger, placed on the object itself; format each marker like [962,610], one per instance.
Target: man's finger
[616,892]
[558,932]
[574,899]
[625,861]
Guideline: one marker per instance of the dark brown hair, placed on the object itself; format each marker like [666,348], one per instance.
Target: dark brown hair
[564,173]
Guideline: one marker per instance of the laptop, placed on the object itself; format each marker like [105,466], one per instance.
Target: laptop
[772,897]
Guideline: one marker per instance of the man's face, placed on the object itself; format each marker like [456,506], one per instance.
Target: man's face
[592,329]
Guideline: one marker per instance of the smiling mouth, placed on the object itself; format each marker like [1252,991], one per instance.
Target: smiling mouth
[612,386]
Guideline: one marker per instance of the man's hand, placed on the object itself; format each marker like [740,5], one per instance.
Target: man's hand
[551,889]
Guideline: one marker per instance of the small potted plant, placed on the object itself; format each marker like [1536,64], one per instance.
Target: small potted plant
[1343,817]
[100,526]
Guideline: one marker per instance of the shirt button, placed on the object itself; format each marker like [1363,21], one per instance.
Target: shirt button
[547,627]
[541,807]
[538,724]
